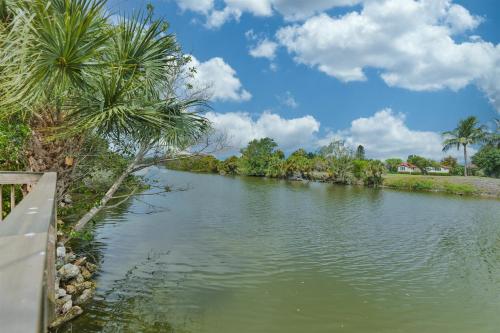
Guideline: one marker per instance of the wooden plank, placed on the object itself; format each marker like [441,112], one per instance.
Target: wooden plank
[27,246]
[18,178]
[12,197]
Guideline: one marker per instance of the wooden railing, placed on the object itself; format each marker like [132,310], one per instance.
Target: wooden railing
[27,252]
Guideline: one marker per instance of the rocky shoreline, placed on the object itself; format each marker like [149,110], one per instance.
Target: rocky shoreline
[73,286]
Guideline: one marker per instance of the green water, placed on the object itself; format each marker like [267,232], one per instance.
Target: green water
[249,255]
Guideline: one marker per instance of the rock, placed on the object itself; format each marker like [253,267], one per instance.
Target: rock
[77,288]
[70,257]
[61,252]
[91,267]
[71,289]
[88,284]
[61,301]
[60,292]
[85,273]
[79,278]
[66,306]
[67,199]
[71,314]
[59,263]
[86,295]
[81,261]
[68,272]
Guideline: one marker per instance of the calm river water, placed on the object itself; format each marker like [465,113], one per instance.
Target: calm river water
[251,255]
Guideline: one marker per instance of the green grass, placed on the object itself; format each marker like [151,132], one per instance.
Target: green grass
[464,189]
[428,183]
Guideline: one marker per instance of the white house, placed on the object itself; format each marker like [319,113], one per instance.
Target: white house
[406,167]
[441,170]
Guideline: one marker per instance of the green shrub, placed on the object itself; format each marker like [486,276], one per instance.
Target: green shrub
[465,189]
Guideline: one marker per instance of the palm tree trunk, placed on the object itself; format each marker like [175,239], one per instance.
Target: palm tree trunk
[111,191]
[465,160]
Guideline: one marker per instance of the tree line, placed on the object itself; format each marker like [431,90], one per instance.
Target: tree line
[339,163]
[262,158]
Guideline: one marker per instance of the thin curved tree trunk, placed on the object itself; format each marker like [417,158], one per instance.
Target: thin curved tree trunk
[111,191]
[465,160]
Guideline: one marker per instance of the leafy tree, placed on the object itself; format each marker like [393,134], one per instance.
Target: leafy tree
[276,167]
[298,162]
[392,164]
[360,153]
[342,169]
[336,149]
[229,166]
[320,163]
[70,72]
[205,163]
[255,158]
[373,173]
[450,162]
[340,158]
[468,132]
[488,160]
[359,167]
[420,162]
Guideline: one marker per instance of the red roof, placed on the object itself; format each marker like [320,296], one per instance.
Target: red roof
[408,165]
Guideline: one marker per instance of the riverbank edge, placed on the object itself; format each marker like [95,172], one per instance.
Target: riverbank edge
[408,183]
[73,293]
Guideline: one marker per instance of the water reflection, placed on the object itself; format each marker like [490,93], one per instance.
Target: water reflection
[254,255]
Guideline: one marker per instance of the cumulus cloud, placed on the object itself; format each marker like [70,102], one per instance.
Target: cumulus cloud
[233,9]
[385,135]
[264,49]
[241,128]
[410,42]
[218,79]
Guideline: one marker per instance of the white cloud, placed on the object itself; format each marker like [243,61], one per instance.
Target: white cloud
[459,19]
[288,100]
[241,128]
[218,79]
[200,6]
[256,7]
[300,9]
[264,49]
[233,9]
[385,135]
[411,42]
[217,18]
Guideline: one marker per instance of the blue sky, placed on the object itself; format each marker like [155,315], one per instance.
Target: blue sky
[388,74]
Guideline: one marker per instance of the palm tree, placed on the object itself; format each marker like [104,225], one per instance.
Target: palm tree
[468,132]
[70,71]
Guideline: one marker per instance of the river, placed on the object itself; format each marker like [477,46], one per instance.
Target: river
[252,255]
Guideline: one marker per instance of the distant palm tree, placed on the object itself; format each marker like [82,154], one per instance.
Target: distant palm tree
[468,132]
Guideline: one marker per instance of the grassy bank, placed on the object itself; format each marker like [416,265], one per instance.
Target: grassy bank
[478,186]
